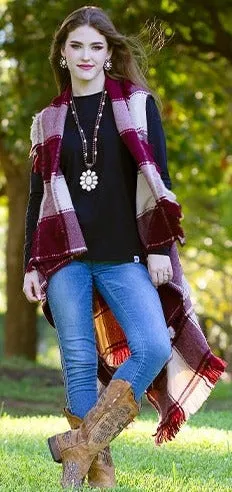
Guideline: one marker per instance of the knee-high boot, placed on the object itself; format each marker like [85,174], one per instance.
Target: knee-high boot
[101,472]
[114,410]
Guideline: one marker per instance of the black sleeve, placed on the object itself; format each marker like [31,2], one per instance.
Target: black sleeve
[32,214]
[156,139]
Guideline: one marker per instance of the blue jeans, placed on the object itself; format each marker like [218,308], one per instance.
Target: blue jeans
[128,290]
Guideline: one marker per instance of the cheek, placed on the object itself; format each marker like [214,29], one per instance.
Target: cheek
[71,54]
[101,56]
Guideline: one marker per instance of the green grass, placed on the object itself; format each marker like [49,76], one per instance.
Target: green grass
[27,388]
[198,460]
[32,397]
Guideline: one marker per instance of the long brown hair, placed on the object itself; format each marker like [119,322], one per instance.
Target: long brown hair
[125,52]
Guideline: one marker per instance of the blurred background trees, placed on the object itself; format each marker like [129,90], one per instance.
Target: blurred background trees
[192,75]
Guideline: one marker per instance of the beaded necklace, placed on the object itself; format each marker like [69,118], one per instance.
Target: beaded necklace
[89,179]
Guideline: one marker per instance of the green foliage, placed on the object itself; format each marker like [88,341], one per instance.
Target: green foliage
[192,74]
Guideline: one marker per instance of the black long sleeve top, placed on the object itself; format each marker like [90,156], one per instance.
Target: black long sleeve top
[107,214]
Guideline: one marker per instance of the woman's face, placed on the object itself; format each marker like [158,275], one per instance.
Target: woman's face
[85,51]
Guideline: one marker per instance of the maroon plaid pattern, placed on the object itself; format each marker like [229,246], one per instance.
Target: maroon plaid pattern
[187,379]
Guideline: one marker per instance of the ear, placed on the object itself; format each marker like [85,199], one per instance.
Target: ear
[62,52]
[109,53]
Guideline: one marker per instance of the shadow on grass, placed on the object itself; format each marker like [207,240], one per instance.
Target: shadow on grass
[216,419]
[35,391]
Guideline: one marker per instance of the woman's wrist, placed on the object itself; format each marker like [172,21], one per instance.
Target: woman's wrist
[159,251]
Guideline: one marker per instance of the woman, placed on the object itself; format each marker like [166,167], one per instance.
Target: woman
[101,220]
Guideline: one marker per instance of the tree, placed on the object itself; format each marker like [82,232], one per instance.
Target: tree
[199,27]
[196,119]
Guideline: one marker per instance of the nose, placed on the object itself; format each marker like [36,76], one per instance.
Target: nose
[85,54]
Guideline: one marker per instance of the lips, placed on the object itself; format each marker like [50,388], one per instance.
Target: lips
[85,67]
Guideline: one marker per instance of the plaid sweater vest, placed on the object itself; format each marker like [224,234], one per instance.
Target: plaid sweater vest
[186,381]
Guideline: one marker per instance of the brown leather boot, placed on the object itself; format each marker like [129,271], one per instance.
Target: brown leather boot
[102,471]
[114,410]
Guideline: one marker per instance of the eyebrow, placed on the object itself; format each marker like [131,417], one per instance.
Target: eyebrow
[79,42]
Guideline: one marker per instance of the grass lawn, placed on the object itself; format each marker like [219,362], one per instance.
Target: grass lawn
[198,460]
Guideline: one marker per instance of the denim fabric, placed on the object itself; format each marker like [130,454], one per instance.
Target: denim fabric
[129,292]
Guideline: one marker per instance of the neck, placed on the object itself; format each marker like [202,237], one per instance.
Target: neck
[87,87]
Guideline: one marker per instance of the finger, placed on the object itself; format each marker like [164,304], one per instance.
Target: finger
[166,277]
[154,278]
[30,297]
[152,274]
[160,275]
[37,292]
[29,293]
[149,271]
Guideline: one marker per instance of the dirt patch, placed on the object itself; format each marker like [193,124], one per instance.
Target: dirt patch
[50,377]
[20,408]
[31,379]
[32,405]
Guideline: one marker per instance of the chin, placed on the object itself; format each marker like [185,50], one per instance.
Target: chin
[86,75]
[82,74]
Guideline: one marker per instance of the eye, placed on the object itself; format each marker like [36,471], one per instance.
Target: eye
[97,48]
[75,46]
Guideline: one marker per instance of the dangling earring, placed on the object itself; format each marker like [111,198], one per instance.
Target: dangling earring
[63,62]
[108,64]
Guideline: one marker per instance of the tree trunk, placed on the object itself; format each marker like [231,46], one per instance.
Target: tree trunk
[20,322]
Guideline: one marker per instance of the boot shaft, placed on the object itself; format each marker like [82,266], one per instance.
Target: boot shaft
[115,409]
[73,420]
[101,472]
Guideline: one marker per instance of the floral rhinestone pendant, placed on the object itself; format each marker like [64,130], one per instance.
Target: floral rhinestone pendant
[88,180]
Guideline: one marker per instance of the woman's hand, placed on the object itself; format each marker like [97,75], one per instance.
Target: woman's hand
[31,286]
[160,269]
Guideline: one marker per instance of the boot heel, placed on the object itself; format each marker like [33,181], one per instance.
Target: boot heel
[54,449]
